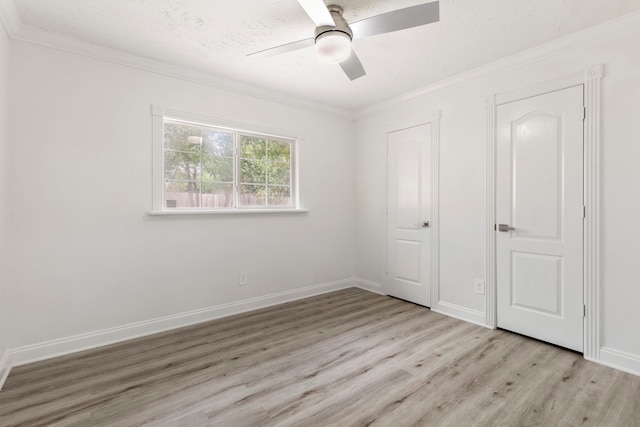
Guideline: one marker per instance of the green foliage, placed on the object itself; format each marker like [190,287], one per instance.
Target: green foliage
[265,170]
[199,160]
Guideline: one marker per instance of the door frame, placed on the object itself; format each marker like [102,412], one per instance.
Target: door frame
[433,119]
[591,80]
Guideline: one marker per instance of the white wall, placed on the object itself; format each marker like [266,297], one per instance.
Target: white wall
[86,256]
[4,142]
[463,176]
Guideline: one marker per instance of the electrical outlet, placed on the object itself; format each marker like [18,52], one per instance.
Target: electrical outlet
[478,286]
[244,278]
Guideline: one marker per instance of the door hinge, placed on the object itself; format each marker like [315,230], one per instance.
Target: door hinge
[584,310]
[584,113]
[584,211]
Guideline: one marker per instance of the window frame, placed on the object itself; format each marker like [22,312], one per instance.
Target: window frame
[160,114]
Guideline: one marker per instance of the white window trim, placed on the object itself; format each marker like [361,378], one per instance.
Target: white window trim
[159,114]
[227,211]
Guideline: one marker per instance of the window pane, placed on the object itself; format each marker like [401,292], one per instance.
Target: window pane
[181,165]
[218,143]
[252,147]
[181,194]
[279,196]
[217,195]
[182,137]
[279,173]
[217,168]
[182,152]
[279,151]
[198,160]
[253,195]
[201,165]
[253,172]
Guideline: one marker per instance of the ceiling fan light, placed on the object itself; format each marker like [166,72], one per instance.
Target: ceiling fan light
[333,46]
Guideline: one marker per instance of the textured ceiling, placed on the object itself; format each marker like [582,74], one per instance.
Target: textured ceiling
[215,36]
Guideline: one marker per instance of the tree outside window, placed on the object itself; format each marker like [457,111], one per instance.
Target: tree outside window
[212,168]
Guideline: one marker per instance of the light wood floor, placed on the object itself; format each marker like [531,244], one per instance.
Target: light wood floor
[348,358]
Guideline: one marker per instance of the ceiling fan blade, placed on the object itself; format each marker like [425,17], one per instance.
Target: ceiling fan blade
[318,12]
[272,51]
[400,19]
[352,67]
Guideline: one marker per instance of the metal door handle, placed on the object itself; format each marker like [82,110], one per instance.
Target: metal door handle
[425,224]
[505,228]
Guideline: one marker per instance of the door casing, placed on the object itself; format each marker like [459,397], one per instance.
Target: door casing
[591,79]
[539,262]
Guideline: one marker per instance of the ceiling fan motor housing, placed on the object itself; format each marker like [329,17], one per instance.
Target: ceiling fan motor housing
[341,25]
[334,42]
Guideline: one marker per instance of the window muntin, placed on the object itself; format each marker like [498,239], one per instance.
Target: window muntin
[214,168]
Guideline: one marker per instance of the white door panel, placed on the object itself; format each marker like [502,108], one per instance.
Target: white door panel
[536,282]
[536,175]
[539,189]
[408,208]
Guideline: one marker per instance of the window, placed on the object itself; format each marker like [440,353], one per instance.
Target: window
[206,165]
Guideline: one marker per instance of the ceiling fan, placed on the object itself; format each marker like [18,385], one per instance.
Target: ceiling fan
[333,35]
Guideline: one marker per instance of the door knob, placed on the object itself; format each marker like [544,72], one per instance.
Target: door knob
[505,228]
[425,224]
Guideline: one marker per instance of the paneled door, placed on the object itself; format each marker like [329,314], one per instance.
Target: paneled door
[408,207]
[540,214]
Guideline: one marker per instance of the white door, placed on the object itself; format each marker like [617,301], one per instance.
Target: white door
[408,205]
[539,210]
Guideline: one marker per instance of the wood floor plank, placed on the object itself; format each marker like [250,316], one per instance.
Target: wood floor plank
[346,358]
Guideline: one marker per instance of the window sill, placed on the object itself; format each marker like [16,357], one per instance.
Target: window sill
[226,211]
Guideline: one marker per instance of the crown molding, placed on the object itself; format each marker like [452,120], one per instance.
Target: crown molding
[20,31]
[9,17]
[17,30]
[588,36]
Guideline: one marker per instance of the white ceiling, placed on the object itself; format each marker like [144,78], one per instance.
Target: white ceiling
[214,36]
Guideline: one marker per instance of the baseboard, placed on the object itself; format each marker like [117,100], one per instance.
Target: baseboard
[448,309]
[459,312]
[5,367]
[60,347]
[33,353]
[619,360]
[368,285]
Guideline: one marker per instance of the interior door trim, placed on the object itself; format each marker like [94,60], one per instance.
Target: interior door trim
[591,79]
[432,118]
